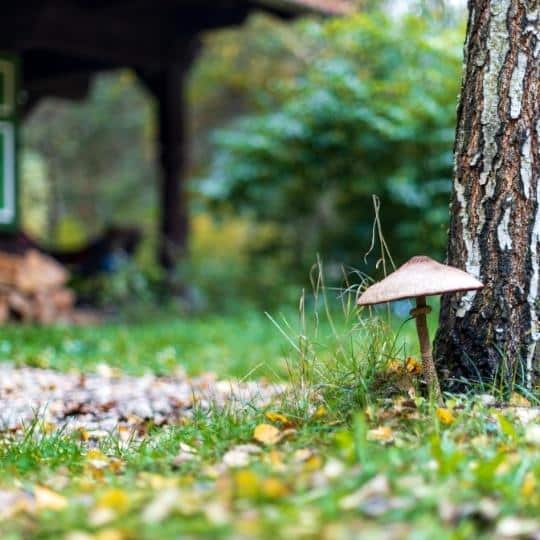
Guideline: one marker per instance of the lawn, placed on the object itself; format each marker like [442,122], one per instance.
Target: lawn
[351,450]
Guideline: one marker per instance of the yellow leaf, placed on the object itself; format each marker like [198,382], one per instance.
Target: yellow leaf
[275,459]
[528,488]
[246,483]
[267,434]
[277,417]
[445,416]
[303,454]
[273,488]
[48,427]
[109,534]
[314,463]
[114,498]
[382,434]
[116,465]
[320,412]
[413,366]
[95,454]
[517,400]
[394,366]
[46,499]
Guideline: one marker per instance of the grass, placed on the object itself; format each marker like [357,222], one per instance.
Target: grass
[358,452]
[243,344]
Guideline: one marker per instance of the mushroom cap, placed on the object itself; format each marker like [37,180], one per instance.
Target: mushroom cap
[420,276]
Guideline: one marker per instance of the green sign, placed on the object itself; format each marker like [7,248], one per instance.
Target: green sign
[8,140]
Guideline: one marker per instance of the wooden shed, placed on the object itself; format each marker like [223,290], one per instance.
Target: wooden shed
[55,47]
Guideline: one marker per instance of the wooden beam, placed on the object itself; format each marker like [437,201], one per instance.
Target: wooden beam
[138,34]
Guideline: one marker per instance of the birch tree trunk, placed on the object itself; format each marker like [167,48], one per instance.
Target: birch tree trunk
[495,211]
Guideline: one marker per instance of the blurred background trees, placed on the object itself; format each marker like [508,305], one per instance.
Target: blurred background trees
[294,127]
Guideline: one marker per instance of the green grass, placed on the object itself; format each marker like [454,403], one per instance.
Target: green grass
[329,478]
[246,343]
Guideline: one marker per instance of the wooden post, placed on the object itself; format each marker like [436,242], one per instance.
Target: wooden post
[173,225]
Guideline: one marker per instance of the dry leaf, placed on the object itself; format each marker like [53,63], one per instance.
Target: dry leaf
[109,534]
[277,417]
[517,400]
[240,456]
[162,506]
[321,412]
[217,513]
[529,486]
[382,434]
[246,483]
[303,454]
[445,416]
[46,499]
[273,488]
[115,499]
[267,434]
[413,366]
[394,366]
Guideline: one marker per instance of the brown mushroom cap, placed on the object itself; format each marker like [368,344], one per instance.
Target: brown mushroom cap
[421,276]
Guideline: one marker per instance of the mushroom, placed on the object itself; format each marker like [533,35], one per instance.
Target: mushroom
[420,277]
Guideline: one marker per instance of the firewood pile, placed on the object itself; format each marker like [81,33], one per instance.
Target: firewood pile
[33,288]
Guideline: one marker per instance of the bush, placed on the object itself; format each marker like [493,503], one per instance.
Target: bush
[371,112]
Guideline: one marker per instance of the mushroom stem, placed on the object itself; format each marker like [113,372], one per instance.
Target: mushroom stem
[428,367]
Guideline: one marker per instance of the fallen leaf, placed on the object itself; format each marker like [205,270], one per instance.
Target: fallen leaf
[115,499]
[321,412]
[46,499]
[161,506]
[413,366]
[517,400]
[394,366]
[382,434]
[303,454]
[529,486]
[314,463]
[217,513]
[445,416]
[273,488]
[277,417]
[100,516]
[240,456]
[246,483]
[275,459]
[267,434]
[13,502]
[109,534]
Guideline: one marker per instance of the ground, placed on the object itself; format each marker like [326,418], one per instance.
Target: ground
[250,426]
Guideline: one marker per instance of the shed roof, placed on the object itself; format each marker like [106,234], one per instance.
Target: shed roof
[63,42]
[325,7]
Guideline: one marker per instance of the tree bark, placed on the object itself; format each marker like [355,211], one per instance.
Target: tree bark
[492,335]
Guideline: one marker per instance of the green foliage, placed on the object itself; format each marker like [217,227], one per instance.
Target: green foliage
[91,163]
[370,110]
